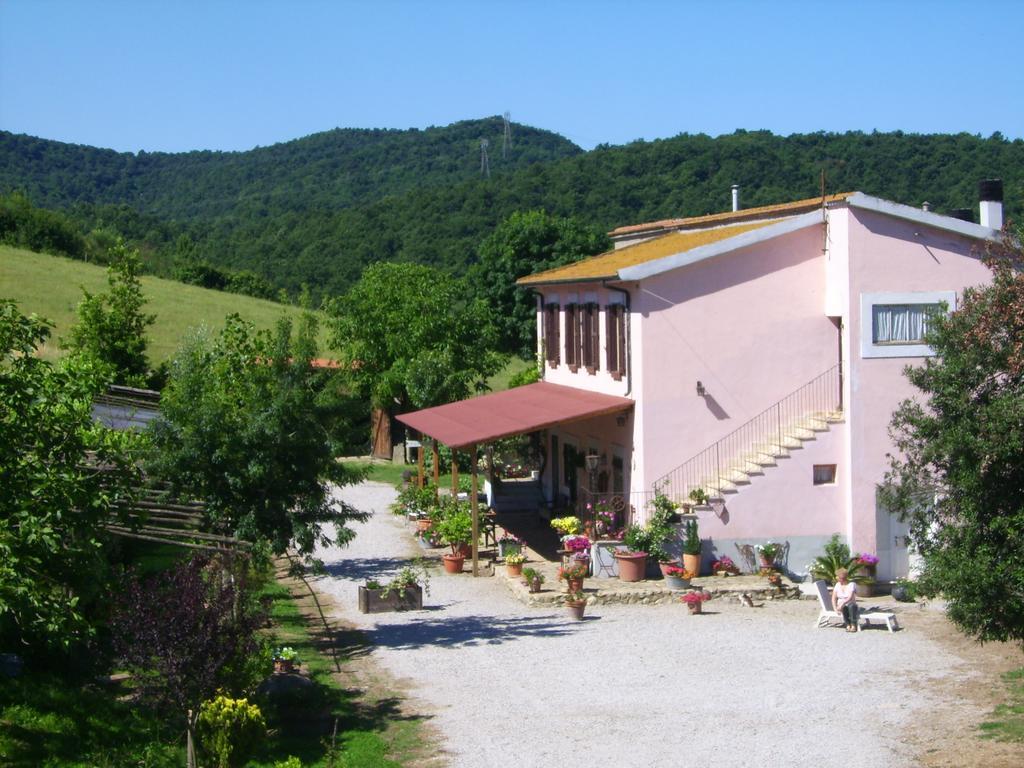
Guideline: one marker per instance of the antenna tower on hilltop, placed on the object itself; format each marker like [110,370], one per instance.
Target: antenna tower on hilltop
[506,142]
[485,166]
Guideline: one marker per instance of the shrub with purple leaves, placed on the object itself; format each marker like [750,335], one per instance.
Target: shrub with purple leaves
[186,633]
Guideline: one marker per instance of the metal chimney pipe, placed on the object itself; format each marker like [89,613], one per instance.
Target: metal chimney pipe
[990,192]
[735,197]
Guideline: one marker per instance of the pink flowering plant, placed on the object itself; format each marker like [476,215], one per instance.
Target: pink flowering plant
[696,596]
[724,564]
[867,560]
[576,543]
[679,573]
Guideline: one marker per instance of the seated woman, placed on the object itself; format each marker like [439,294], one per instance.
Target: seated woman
[844,598]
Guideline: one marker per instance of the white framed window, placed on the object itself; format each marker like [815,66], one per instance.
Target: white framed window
[895,324]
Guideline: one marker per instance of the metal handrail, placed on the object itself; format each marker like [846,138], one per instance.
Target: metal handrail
[764,435]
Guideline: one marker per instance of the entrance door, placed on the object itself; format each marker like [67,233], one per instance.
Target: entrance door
[893,545]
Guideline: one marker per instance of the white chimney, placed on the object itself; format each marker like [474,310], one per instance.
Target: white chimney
[735,197]
[990,191]
[926,206]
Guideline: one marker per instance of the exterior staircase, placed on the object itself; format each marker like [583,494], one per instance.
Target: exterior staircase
[745,453]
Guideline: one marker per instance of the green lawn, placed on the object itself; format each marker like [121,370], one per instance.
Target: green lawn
[51,286]
[1007,723]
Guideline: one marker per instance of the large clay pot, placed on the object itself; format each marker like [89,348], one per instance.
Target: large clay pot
[692,563]
[453,563]
[631,566]
[576,609]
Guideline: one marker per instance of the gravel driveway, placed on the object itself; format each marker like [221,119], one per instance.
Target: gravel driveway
[634,685]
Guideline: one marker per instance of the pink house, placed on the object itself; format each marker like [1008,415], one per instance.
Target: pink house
[762,352]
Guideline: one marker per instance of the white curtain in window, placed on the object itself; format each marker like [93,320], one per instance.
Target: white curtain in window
[900,323]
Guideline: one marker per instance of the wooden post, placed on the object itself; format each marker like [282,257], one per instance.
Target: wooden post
[437,468]
[455,473]
[419,464]
[473,505]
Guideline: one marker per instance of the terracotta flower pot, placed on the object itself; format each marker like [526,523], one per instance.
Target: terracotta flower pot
[574,585]
[514,569]
[692,564]
[697,607]
[535,585]
[423,523]
[576,609]
[283,666]
[631,566]
[453,563]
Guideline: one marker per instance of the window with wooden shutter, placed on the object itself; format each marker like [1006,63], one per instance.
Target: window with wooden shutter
[615,333]
[552,345]
[572,334]
[591,338]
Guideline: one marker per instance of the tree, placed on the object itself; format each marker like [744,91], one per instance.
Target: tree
[409,335]
[62,477]
[243,426]
[959,478]
[112,326]
[524,243]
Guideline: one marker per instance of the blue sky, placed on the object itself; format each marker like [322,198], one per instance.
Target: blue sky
[174,76]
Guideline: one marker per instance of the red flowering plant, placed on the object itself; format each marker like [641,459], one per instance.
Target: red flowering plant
[724,564]
[574,572]
[679,573]
[696,596]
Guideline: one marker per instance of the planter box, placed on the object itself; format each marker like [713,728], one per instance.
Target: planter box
[373,601]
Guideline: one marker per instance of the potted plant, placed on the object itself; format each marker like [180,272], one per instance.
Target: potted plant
[455,528]
[533,578]
[509,545]
[576,602]
[837,555]
[514,564]
[868,564]
[677,578]
[724,566]
[632,560]
[573,575]
[695,600]
[567,526]
[285,660]
[402,593]
[768,552]
[699,497]
[691,547]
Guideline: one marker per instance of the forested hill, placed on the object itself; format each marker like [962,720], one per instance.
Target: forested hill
[419,195]
[324,171]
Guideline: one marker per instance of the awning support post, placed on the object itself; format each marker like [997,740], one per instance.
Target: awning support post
[419,465]
[474,506]
[455,474]
[437,469]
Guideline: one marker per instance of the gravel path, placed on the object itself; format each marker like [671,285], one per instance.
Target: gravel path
[634,685]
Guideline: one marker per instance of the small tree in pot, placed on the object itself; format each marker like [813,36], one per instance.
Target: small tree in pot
[691,548]
[455,528]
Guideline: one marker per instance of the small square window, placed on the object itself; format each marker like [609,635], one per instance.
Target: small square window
[824,474]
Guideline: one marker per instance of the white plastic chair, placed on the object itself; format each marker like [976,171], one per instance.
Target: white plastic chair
[825,601]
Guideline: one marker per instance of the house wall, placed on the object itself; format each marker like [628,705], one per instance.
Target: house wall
[889,255]
[750,325]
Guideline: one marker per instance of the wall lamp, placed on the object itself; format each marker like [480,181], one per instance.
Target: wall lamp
[700,390]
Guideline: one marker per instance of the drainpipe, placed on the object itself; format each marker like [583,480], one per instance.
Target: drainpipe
[629,346]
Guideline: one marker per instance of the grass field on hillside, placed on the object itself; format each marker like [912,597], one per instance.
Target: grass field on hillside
[51,286]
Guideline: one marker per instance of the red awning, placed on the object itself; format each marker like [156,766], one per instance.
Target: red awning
[515,411]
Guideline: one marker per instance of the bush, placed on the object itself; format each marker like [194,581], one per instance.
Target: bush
[837,555]
[230,730]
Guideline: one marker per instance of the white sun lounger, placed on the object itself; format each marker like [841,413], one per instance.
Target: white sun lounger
[827,615]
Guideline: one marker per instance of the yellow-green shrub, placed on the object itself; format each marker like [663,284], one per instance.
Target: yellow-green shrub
[229,730]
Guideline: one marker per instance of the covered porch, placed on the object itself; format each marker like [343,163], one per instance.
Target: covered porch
[584,439]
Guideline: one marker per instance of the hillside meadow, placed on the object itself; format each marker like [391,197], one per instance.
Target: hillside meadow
[51,286]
